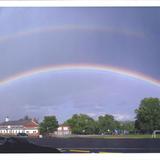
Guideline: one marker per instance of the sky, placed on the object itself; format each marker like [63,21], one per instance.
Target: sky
[33,38]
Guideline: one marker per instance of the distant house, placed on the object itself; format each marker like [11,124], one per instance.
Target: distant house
[63,130]
[11,128]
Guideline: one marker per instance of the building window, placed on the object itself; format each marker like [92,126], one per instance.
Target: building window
[65,128]
[59,128]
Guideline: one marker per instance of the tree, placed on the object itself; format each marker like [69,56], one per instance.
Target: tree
[48,125]
[106,124]
[127,125]
[82,124]
[148,115]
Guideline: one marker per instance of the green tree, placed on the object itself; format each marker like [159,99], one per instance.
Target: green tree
[48,125]
[127,125]
[148,115]
[82,124]
[107,124]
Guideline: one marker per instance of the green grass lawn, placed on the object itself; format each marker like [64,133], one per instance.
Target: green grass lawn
[131,136]
[141,136]
[128,136]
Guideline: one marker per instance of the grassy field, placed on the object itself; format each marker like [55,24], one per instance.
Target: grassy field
[131,136]
[128,136]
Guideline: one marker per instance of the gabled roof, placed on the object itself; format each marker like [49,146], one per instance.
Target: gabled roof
[22,122]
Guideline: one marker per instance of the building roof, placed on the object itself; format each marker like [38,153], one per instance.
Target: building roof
[21,122]
[63,125]
[13,127]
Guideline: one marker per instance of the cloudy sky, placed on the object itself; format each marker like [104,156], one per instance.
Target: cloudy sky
[32,38]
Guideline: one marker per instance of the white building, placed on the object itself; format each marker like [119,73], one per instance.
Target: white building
[63,130]
[11,128]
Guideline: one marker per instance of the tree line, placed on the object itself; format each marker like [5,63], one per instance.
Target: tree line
[146,120]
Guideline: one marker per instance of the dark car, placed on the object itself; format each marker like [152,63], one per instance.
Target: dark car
[22,135]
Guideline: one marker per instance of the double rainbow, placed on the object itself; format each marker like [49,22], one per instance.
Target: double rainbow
[69,67]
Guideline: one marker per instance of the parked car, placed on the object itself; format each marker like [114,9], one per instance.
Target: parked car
[22,135]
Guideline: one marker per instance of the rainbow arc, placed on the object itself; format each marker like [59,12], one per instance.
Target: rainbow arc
[76,67]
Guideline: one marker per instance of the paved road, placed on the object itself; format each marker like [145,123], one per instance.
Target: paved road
[88,145]
[22,145]
[78,145]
